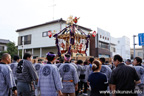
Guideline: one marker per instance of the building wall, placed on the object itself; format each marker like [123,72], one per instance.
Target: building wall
[103,35]
[123,47]
[138,53]
[119,46]
[5,47]
[38,41]
[96,44]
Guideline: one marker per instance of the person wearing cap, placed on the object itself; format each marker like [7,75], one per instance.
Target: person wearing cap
[140,71]
[69,77]
[49,82]
[128,62]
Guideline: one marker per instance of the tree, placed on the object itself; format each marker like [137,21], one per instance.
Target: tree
[12,49]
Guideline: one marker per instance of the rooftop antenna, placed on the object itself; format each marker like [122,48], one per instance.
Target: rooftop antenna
[53,8]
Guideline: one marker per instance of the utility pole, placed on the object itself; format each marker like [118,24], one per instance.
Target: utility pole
[22,46]
[143,51]
[134,45]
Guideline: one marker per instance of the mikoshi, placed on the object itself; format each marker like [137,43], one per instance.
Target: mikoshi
[72,39]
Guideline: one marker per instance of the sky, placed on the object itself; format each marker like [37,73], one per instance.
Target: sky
[119,17]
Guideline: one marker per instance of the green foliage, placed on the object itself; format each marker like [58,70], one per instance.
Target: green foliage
[12,49]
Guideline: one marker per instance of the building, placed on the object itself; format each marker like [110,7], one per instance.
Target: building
[138,53]
[123,47]
[100,45]
[3,44]
[113,44]
[36,40]
[103,45]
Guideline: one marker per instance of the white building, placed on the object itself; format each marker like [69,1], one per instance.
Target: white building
[3,44]
[107,46]
[113,44]
[123,47]
[102,44]
[36,40]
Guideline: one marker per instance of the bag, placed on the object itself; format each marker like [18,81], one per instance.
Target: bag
[82,76]
[19,67]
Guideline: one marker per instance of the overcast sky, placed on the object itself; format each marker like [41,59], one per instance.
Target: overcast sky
[119,17]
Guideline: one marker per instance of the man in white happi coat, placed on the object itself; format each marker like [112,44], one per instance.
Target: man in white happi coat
[7,83]
[69,77]
[13,66]
[49,82]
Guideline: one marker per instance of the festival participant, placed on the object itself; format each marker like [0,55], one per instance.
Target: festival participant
[140,71]
[37,67]
[13,66]
[128,62]
[97,80]
[84,80]
[7,82]
[79,70]
[123,78]
[26,75]
[49,82]
[61,61]
[69,77]
[73,62]
[89,67]
[105,69]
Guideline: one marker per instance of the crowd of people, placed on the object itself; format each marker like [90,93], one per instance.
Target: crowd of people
[65,76]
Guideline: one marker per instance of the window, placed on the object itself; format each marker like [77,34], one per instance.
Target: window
[103,45]
[20,40]
[140,54]
[27,39]
[1,48]
[114,50]
[100,36]
[45,34]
